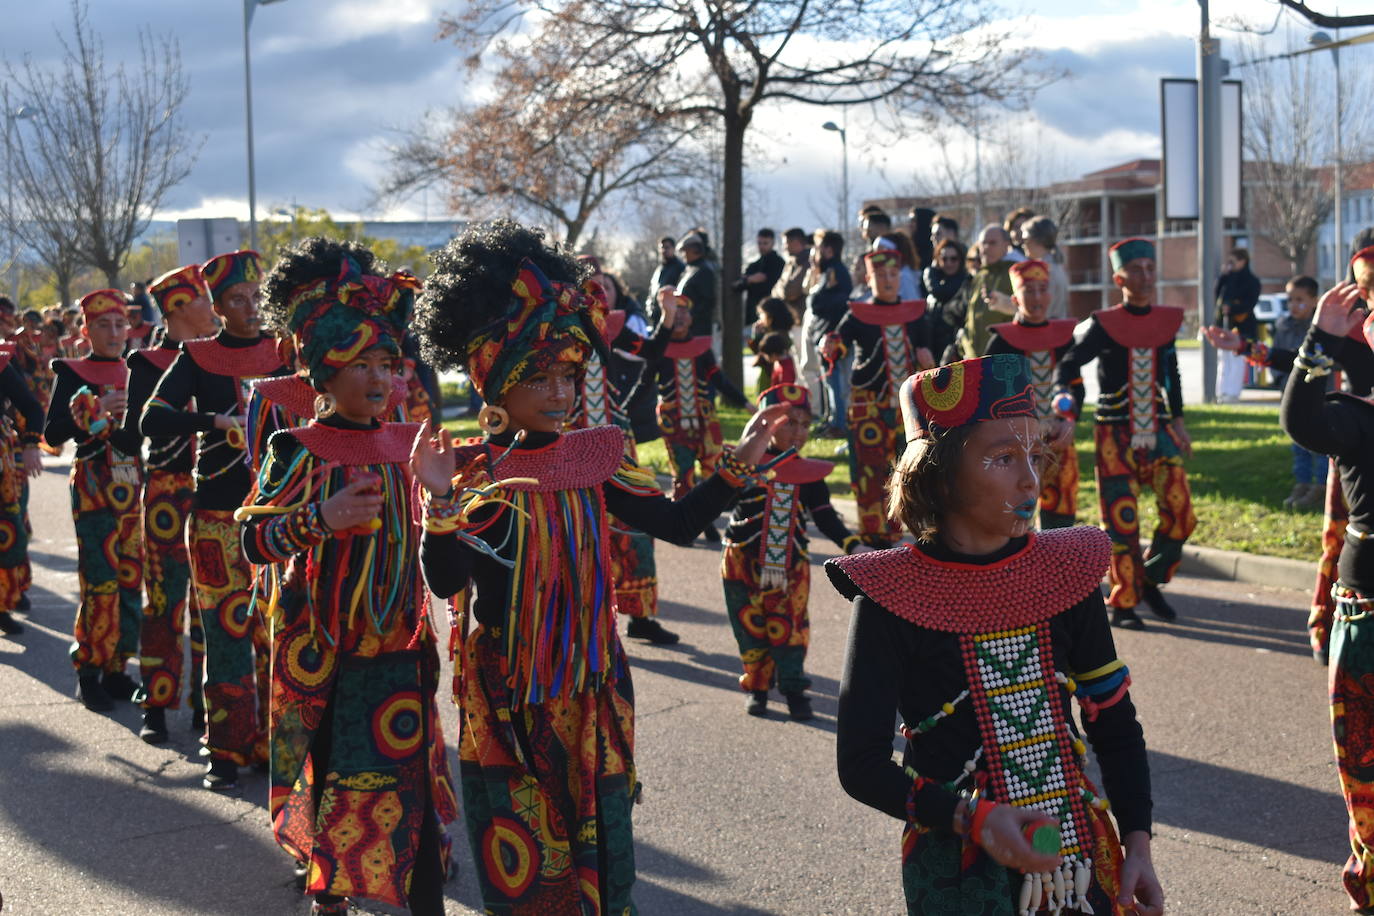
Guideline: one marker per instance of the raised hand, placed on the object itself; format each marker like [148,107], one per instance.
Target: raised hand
[433,461]
[754,440]
[1340,310]
[1222,339]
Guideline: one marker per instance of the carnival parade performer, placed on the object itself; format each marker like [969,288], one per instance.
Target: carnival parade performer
[87,405]
[979,635]
[19,460]
[889,340]
[547,710]
[168,488]
[18,433]
[355,737]
[1139,436]
[214,374]
[1043,342]
[1340,425]
[766,569]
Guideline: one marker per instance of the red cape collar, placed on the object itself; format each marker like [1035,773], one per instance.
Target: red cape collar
[1155,328]
[159,357]
[239,362]
[1051,335]
[1052,573]
[880,314]
[296,396]
[575,460]
[802,470]
[687,349]
[98,371]
[388,444]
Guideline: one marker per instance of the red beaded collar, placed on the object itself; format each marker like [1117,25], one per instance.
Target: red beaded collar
[391,443]
[1053,572]
[239,362]
[97,371]
[575,460]
[802,470]
[1155,328]
[687,349]
[1051,335]
[880,314]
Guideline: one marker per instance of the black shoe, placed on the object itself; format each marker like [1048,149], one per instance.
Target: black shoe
[711,534]
[650,629]
[154,730]
[9,626]
[119,686]
[198,719]
[798,706]
[221,775]
[90,693]
[300,871]
[757,704]
[1126,619]
[23,604]
[1158,606]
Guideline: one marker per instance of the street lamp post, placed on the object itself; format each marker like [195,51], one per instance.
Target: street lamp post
[12,114]
[248,7]
[1338,249]
[844,174]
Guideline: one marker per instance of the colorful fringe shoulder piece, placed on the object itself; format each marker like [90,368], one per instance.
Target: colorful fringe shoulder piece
[574,461]
[1155,328]
[1036,338]
[687,349]
[390,443]
[239,362]
[885,315]
[1052,573]
[112,372]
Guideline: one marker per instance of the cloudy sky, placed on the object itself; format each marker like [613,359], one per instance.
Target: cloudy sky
[333,78]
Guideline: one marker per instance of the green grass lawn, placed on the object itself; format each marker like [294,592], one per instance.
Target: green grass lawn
[1240,473]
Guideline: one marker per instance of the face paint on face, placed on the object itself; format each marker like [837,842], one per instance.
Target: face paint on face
[997,485]
[362,389]
[239,309]
[543,402]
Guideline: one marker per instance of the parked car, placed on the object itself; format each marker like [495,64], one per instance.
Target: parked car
[1270,308]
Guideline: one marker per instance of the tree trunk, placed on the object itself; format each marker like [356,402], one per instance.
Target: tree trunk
[64,288]
[111,273]
[732,240]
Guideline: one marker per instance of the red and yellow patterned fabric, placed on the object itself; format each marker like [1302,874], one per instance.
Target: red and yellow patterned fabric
[226,270]
[988,388]
[1028,271]
[1350,676]
[102,302]
[167,499]
[693,441]
[105,510]
[873,450]
[178,288]
[772,625]
[1059,490]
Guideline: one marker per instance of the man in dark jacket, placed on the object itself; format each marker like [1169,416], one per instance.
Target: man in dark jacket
[668,272]
[761,273]
[828,285]
[1237,293]
[698,284]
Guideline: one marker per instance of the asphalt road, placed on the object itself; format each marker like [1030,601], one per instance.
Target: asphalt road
[740,816]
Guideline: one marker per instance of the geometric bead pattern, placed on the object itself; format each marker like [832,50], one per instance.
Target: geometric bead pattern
[594,401]
[1042,380]
[897,359]
[1142,396]
[686,379]
[780,516]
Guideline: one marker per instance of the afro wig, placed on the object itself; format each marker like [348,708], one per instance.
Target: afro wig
[471,285]
[310,259]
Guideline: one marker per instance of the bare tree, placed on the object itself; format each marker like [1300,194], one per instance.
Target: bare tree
[723,59]
[109,142]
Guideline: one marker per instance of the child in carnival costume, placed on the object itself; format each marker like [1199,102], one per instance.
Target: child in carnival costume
[980,635]
[1139,436]
[547,745]
[1044,341]
[20,459]
[1340,425]
[889,340]
[87,405]
[766,569]
[355,736]
[168,492]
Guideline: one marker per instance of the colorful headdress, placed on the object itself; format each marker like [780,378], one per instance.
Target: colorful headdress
[334,320]
[1362,267]
[103,301]
[883,257]
[224,270]
[1029,271]
[591,261]
[546,323]
[989,388]
[1123,252]
[795,395]
[178,287]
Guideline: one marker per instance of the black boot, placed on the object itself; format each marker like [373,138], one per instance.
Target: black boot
[221,776]
[329,905]
[89,691]
[757,704]
[1126,619]
[120,686]
[8,625]
[23,604]
[198,718]
[154,730]
[650,629]
[1158,606]
[798,706]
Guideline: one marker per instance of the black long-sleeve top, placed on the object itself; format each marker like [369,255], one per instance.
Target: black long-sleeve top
[174,454]
[61,426]
[1341,426]
[698,283]
[746,518]
[1114,371]
[865,341]
[223,477]
[449,564]
[828,300]
[625,376]
[1355,359]
[895,666]
[710,381]
[15,389]
[1237,293]
[771,265]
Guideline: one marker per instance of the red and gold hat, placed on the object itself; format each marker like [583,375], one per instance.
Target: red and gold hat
[988,388]
[883,257]
[1029,271]
[794,395]
[102,301]
[179,287]
[226,270]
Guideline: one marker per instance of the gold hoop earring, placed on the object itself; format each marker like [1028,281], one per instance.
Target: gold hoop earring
[325,405]
[493,420]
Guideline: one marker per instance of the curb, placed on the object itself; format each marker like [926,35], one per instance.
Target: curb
[1250,568]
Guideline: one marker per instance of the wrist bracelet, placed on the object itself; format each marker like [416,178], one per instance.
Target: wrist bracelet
[982,806]
[849,543]
[735,472]
[1313,360]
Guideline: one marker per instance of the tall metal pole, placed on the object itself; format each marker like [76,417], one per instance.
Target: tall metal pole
[1209,228]
[1341,252]
[248,112]
[9,196]
[844,174]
